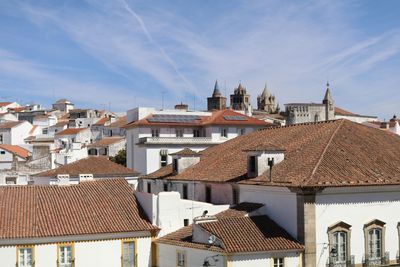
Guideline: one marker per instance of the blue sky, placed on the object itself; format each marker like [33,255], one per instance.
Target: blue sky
[126,53]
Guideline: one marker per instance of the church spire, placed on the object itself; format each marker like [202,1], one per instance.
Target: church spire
[216,89]
[328,98]
[265,91]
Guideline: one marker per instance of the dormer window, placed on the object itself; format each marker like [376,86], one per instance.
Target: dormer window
[175,165]
[224,132]
[184,159]
[155,132]
[262,159]
[252,164]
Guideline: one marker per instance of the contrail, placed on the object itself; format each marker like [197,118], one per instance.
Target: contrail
[151,40]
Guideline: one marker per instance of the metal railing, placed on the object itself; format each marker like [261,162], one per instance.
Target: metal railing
[181,140]
[376,261]
[332,262]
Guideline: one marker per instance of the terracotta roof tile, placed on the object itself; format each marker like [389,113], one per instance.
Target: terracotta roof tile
[17,150]
[120,122]
[100,166]
[50,211]
[9,124]
[324,154]
[101,121]
[3,104]
[107,141]
[240,210]
[71,131]
[185,152]
[343,112]
[239,234]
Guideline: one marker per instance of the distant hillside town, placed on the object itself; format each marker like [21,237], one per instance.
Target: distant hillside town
[309,185]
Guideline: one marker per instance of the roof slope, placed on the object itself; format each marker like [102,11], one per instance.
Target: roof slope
[17,150]
[50,211]
[71,131]
[9,124]
[105,142]
[343,112]
[334,153]
[240,234]
[92,165]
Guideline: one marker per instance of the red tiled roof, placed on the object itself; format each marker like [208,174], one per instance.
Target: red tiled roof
[240,234]
[343,112]
[95,207]
[9,124]
[60,123]
[324,154]
[3,104]
[218,117]
[17,150]
[120,122]
[107,141]
[100,166]
[71,131]
[185,152]
[101,122]
[240,210]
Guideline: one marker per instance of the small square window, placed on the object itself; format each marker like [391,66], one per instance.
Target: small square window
[279,262]
[2,152]
[185,222]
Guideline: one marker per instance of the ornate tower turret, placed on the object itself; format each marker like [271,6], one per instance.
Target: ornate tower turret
[216,101]
[240,100]
[266,101]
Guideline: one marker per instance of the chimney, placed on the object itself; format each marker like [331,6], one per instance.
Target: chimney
[262,159]
[85,177]
[63,179]
[184,159]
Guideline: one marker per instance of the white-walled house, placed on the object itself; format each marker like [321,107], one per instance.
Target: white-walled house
[71,145]
[344,114]
[152,135]
[14,132]
[11,156]
[4,106]
[68,226]
[108,146]
[91,168]
[334,186]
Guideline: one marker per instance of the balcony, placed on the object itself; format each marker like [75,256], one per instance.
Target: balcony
[377,261]
[181,140]
[332,262]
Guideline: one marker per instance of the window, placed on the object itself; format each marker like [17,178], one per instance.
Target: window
[1,138]
[252,164]
[148,187]
[25,257]
[185,191]
[374,243]
[180,259]
[2,152]
[163,160]
[179,132]
[93,151]
[208,194]
[241,131]
[185,222]
[196,133]
[339,240]
[11,180]
[165,187]
[175,165]
[235,195]
[65,256]
[224,132]
[340,246]
[279,262]
[374,234]
[45,131]
[155,132]
[128,254]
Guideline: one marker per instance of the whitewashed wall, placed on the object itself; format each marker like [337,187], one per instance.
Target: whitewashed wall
[279,204]
[357,206]
[291,259]
[105,253]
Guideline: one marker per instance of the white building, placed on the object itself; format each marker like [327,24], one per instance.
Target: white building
[14,132]
[334,186]
[152,135]
[108,146]
[70,145]
[93,224]
[344,114]
[92,168]
[4,106]
[11,156]
[63,105]
[392,126]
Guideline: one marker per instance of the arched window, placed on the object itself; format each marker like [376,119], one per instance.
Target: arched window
[339,236]
[374,234]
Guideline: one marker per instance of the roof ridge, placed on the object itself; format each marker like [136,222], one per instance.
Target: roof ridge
[301,124]
[324,151]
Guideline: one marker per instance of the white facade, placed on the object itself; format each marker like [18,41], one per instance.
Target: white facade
[356,118]
[147,146]
[7,158]
[15,135]
[168,211]
[105,252]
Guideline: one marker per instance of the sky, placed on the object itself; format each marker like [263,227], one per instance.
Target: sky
[120,54]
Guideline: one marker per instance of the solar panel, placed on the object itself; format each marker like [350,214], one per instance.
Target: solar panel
[173,118]
[235,118]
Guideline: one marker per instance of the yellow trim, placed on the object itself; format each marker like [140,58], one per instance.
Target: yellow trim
[66,244]
[129,240]
[154,252]
[33,253]
[184,255]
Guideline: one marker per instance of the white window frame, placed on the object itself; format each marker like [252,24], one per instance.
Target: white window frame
[279,262]
[64,260]
[25,256]
[181,258]
[123,252]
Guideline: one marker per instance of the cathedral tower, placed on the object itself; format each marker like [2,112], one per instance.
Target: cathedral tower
[216,101]
[240,100]
[266,102]
[329,104]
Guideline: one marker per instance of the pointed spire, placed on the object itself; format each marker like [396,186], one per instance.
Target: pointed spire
[265,91]
[216,89]
[327,98]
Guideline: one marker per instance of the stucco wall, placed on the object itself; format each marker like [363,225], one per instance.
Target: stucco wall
[357,207]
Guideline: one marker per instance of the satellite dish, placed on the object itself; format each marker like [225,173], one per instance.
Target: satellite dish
[211,239]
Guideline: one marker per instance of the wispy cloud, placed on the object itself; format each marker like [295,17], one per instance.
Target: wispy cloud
[182,49]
